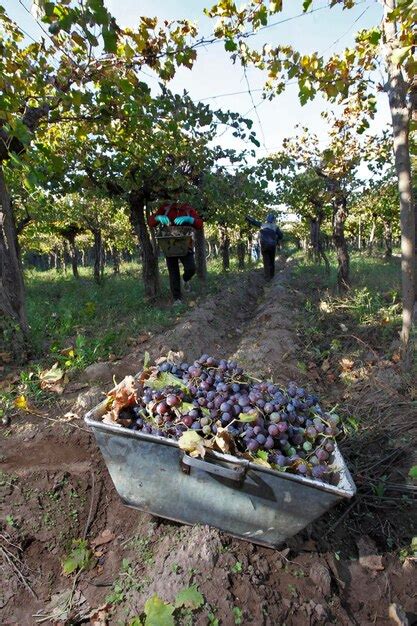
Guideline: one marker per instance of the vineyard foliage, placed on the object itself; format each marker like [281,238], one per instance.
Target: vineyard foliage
[88,150]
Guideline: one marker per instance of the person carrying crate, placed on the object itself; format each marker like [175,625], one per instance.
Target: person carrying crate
[181,215]
[269,237]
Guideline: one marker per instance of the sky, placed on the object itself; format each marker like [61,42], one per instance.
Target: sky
[214,75]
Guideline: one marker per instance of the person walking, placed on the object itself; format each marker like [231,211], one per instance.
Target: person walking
[269,236]
[178,214]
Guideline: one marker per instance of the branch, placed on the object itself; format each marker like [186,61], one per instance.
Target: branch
[22,224]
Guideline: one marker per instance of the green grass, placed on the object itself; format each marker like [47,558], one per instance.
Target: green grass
[99,320]
[371,307]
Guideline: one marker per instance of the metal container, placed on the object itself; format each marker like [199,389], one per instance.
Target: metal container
[241,498]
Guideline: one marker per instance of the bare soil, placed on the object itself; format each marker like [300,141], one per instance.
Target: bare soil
[54,487]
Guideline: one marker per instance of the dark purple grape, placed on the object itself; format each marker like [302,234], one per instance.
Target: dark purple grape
[269,407]
[260,438]
[162,408]
[253,445]
[188,420]
[273,430]
[282,427]
[319,471]
[172,400]
[280,460]
[269,442]
[196,425]
[226,418]
[322,455]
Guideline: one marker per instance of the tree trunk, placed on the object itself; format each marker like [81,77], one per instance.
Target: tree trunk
[150,270]
[98,255]
[339,218]
[13,322]
[225,249]
[371,238]
[397,95]
[388,240]
[116,261]
[200,254]
[360,234]
[83,258]
[73,255]
[241,252]
[314,237]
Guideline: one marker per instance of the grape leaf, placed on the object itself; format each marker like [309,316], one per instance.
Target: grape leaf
[192,443]
[186,407]
[158,613]
[165,379]
[246,417]
[123,395]
[225,441]
[413,472]
[189,598]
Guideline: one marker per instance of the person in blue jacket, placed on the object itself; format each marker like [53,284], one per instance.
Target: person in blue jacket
[269,236]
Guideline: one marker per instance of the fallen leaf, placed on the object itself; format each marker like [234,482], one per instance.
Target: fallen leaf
[346,364]
[105,537]
[71,416]
[53,375]
[21,403]
[325,366]
[396,357]
[100,615]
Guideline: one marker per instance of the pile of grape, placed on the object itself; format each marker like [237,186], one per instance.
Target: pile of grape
[285,428]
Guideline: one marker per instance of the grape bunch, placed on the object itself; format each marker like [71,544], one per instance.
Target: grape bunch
[284,428]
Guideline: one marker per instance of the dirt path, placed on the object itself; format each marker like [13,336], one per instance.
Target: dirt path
[54,488]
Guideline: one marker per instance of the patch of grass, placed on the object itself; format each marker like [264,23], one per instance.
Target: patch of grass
[372,306]
[100,320]
[126,582]
[141,545]
[76,322]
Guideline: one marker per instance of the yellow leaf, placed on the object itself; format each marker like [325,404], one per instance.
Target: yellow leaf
[52,375]
[21,403]
[191,442]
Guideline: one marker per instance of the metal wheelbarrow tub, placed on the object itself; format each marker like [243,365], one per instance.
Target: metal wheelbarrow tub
[241,498]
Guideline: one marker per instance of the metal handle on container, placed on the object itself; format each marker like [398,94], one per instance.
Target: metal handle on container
[237,473]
